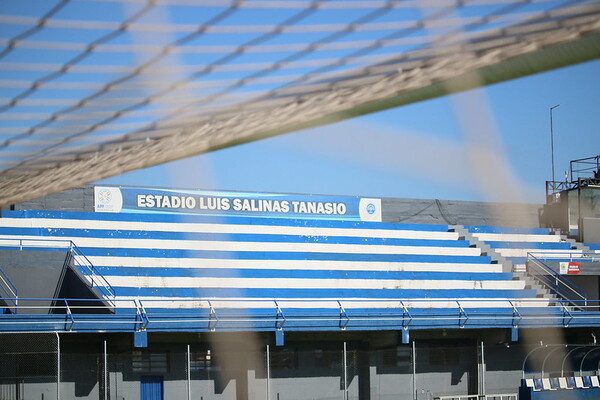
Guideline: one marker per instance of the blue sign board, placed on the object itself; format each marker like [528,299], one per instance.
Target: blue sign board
[274,205]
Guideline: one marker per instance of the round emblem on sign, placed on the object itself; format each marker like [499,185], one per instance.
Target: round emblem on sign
[371,208]
[105,196]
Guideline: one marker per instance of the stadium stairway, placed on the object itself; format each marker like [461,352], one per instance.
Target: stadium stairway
[507,265]
[593,247]
[511,246]
[175,264]
[41,277]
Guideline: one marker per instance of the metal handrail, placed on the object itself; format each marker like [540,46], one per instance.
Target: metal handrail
[554,281]
[125,308]
[12,293]
[87,264]
[89,272]
[334,304]
[553,187]
[204,314]
[583,172]
[23,243]
[581,256]
[141,316]
[584,167]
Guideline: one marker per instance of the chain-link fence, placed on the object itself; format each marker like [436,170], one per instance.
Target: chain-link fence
[319,373]
[29,366]
[34,366]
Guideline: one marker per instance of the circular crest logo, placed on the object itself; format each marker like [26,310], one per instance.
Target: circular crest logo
[371,208]
[104,196]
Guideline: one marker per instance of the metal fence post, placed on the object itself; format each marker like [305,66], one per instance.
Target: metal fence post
[345,372]
[57,365]
[482,378]
[105,372]
[189,373]
[268,374]
[414,370]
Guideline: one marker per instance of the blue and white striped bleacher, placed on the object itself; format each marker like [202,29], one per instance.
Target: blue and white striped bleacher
[515,243]
[595,247]
[169,260]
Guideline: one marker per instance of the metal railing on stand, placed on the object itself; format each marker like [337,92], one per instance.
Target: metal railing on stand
[95,279]
[81,263]
[558,285]
[9,292]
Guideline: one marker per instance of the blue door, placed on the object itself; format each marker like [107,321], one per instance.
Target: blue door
[151,387]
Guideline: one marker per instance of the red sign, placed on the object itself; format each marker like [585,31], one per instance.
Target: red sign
[573,268]
[570,268]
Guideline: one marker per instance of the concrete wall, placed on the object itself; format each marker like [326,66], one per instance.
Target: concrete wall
[78,199]
[35,274]
[588,283]
[460,212]
[569,210]
[444,366]
[591,230]
[425,211]
[503,367]
[391,386]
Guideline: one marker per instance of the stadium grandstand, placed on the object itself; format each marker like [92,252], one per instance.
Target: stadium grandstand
[158,293]
[121,292]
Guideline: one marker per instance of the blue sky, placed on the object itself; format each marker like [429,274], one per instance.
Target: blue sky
[490,144]
[419,150]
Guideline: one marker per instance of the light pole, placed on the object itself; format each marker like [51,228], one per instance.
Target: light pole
[552,139]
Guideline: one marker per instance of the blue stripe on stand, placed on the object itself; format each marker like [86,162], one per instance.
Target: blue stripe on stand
[282,255]
[507,230]
[299,273]
[233,237]
[529,245]
[233,220]
[319,294]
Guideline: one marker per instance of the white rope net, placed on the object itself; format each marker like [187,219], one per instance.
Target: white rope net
[94,88]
